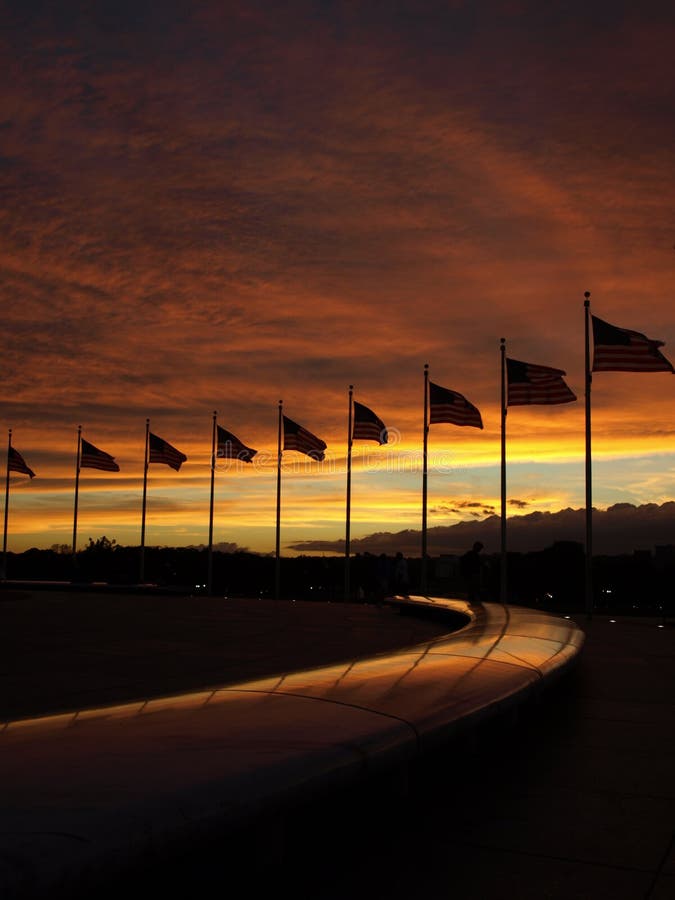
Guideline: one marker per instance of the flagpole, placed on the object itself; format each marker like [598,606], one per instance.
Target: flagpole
[349,493]
[145,494]
[423,584]
[4,539]
[77,488]
[503,581]
[589,473]
[209,575]
[277,563]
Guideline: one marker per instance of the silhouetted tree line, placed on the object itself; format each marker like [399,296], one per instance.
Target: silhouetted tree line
[551,579]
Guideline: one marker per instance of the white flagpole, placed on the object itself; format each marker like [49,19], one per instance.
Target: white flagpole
[425,445]
[4,540]
[145,493]
[349,494]
[503,573]
[277,564]
[209,577]
[589,472]
[77,488]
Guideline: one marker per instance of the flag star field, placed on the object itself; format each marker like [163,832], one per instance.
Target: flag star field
[219,206]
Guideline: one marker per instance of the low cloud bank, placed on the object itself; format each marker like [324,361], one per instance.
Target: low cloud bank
[621,528]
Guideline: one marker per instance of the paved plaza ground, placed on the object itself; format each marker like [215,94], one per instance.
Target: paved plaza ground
[69,650]
[574,799]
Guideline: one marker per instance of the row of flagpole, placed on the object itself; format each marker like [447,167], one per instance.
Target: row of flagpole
[615,349]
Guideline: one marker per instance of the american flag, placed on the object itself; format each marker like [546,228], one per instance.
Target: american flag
[367,426]
[230,447]
[449,406]
[528,384]
[162,452]
[298,438]
[15,463]
[619,350]
[94,458]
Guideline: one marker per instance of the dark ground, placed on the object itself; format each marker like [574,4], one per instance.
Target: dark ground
[574,800]
[64,651]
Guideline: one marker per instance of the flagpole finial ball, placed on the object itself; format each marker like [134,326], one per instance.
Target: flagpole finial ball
[587,294]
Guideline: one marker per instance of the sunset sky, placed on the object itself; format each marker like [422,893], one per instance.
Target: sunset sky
[218,205]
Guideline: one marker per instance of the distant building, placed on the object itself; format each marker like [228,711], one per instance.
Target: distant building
[665,552]
[643,555]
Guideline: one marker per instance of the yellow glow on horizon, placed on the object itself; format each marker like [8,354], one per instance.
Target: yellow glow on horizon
[244,513]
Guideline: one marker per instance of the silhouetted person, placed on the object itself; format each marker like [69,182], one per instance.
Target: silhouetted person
[401,574]
[471,570]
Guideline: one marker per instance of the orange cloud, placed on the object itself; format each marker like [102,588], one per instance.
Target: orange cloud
[214,212]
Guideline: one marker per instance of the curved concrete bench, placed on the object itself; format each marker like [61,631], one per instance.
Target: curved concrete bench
[87,792]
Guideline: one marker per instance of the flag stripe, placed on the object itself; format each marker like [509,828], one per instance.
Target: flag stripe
[298,438]
[162,452]
[93,458]
[452,408]
[16,463]
[621,350]
[230,447]
[367,426]
[529,384]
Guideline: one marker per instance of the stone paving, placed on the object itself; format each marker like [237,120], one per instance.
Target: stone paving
[575,799]
[65,651]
